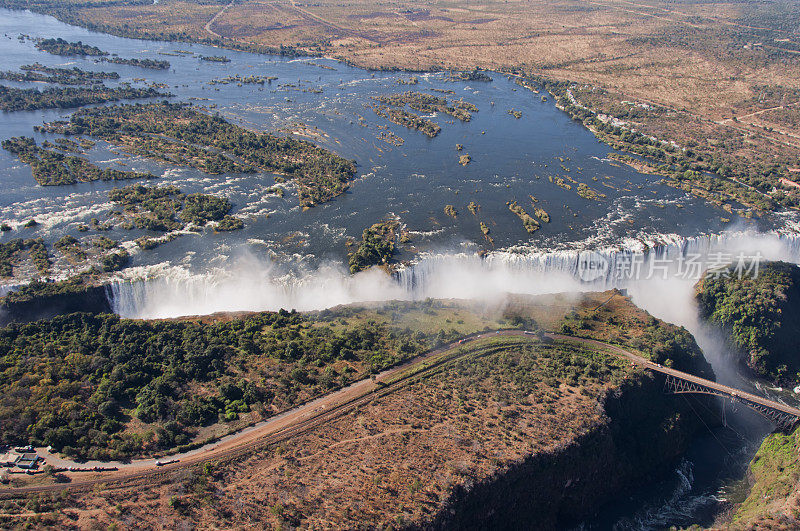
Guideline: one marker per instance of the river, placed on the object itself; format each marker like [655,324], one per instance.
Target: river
[285,257]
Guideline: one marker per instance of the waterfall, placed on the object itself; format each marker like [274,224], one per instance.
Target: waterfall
[255,286]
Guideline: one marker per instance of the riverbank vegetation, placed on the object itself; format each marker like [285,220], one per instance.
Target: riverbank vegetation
[52,168]
[181,134]
[215,58]
[715,165]
[18,99]
[761,313]
[474,75]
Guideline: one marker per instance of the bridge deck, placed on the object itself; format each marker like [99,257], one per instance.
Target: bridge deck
[719,388]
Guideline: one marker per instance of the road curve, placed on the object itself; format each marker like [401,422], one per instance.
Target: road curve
[331,406]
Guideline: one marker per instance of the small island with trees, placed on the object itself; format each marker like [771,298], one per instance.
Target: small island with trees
[52,168]
[61,47]
[19,99]
[37,72]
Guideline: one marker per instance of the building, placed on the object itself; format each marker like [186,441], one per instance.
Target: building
[28,461]
[9,459]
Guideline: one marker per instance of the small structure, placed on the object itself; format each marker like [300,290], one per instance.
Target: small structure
[9,459]
[28,461]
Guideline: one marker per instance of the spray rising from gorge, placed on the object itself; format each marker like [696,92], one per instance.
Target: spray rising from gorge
[250,284]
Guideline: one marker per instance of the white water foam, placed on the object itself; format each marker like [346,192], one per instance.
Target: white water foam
[251,284]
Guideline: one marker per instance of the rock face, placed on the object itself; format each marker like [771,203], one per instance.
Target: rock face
[46,303]
[761,313]
[643,433]
[774,499]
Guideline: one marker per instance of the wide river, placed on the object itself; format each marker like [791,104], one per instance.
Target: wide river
[285,257]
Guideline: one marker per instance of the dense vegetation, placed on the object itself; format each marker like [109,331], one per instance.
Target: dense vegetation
[164,209]
[10,254]
[52,168]
[243,80]
[528,221]
[774,472]
[153,64]
[77,382]
[408,119]
[228,224]
[62,76]
[474,75]
[61,47]
[37,291]
[215,58]
[377,246]
[180,134]
[762,314]
[17,99]
[427,103]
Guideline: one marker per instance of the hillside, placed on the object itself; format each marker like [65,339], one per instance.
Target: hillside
[774,500]
[761,314]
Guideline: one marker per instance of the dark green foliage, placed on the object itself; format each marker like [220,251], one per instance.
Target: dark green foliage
[17,99]
[115,261]
[229,223]
[183,135]
[101,242]
[9,254]
[62,76]
[475,75]
[38,290]
[200,208]
[61,47]
[68,245]
[762,315]
[408,119]
[152,64]
[427,103]
[376,247]
[215,58]
[166,208]
[74,381]
[51,168]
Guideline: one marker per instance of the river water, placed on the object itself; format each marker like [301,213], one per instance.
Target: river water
[288,258]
